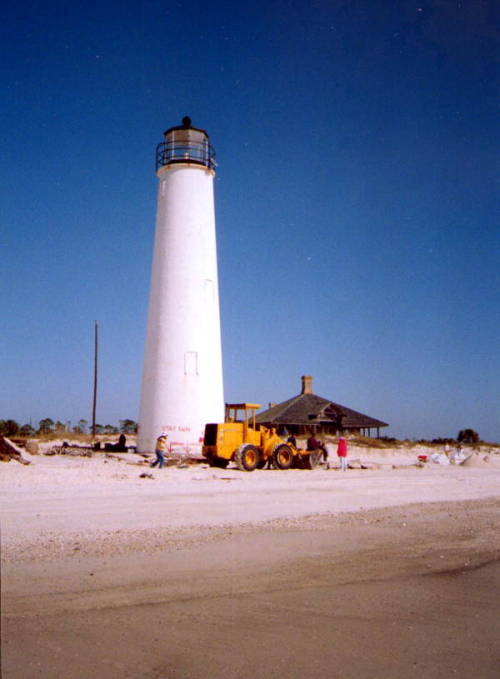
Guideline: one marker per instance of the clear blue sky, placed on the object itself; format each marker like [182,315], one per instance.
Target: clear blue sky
[357,229]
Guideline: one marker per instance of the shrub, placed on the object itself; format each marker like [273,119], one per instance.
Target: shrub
[468,436]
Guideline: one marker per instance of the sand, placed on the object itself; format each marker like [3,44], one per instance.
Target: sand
[199,572]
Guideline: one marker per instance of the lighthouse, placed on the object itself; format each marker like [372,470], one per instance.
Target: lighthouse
[182,387]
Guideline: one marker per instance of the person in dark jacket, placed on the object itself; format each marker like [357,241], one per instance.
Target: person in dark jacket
[313,443]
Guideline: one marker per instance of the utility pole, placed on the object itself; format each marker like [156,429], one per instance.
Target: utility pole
[94,403]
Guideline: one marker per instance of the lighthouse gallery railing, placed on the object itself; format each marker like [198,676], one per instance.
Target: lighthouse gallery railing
[168,152]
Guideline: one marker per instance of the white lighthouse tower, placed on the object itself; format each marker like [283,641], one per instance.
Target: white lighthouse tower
[182,378]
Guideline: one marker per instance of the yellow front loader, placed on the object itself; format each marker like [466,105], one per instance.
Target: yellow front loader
[249,445]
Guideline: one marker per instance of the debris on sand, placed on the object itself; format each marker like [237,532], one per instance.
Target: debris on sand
[67,449]
[460,456]
[440,458]
[9,451]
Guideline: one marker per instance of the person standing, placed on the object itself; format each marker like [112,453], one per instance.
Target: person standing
[161,447]
[342,453]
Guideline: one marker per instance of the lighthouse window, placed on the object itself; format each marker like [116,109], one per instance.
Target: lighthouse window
[163,187]
[191,363]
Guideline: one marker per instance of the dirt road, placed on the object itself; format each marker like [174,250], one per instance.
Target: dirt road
[394,592]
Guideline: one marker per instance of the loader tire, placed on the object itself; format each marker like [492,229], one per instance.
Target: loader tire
[247,457]
[282,456]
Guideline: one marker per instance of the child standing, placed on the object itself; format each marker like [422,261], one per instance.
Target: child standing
[342,453]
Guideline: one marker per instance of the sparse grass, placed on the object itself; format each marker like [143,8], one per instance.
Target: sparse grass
[368,442]
[496,446]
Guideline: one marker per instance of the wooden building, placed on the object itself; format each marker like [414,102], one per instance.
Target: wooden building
[308,413]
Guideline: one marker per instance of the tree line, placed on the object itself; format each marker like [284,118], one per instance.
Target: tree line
[48,426]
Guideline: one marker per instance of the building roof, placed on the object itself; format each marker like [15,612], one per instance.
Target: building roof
[309,409]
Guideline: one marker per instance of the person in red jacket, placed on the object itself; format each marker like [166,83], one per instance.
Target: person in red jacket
[342,453]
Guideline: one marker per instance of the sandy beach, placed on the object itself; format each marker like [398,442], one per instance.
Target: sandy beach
[195,572]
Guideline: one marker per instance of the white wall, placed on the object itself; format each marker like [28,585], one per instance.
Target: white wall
[182,378]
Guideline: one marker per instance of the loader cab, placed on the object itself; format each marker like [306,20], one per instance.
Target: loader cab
[244,413]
